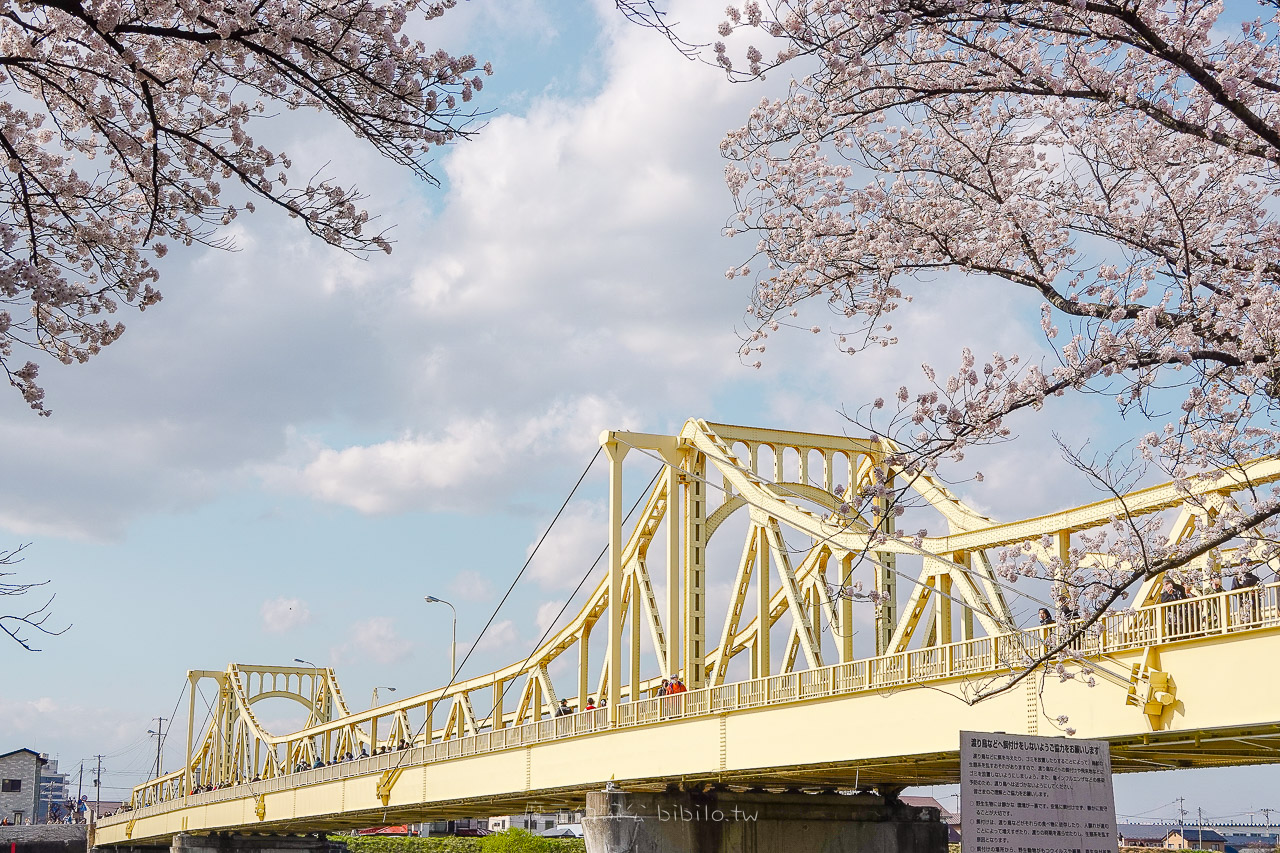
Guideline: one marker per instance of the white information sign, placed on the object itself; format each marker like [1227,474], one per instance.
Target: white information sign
[1026,794]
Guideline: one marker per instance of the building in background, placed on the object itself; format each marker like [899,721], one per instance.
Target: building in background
[20,773]
[1143,834]
[930,802]
[1252,834]
[536,823]
[465,827]
[1195,838]
[53,793]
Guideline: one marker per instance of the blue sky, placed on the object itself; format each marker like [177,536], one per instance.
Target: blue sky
[285,455]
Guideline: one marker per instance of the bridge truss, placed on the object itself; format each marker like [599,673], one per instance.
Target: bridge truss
[789,611]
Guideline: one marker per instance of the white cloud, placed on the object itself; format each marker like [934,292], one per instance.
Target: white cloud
[112,730]
[469,464]
[568,280]
[470,585]
[571,547]
[282,615]
[501,636]
[547,613]
[575,258]
[375,639]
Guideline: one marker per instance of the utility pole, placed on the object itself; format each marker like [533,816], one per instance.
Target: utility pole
[80,784]
[1267,814]
[1200,816]
[97,790]
[159,733]
[1182,818]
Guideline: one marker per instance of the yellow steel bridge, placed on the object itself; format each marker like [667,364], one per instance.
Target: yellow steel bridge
[1177,685]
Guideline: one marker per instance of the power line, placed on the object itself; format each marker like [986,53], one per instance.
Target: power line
[173,715]
[527,562]
[489,720]
[453,677]
[159,733]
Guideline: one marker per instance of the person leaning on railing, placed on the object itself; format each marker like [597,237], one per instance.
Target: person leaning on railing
[1251,604]
[1170,592]
[1214,606]
[1245,579]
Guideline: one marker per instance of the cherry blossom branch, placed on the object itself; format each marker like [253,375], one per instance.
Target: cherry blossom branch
[157,96]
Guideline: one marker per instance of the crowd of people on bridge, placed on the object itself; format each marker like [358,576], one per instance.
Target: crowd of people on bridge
[669,687]
[563,710]
[343,757]
[1175,590]
[1171,589]
[1183,621]
[302,765]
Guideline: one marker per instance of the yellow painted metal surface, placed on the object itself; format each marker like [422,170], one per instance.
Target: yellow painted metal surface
[813,714]
[866,721]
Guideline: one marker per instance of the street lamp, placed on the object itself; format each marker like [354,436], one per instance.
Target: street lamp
[314,676]
[373,703]
[315,691]
[158,733]
[453,646]
[315,686]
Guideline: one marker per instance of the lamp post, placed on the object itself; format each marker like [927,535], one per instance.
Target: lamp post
[314,676]
[453,646]
[315,712]
[373,703]
[158,733]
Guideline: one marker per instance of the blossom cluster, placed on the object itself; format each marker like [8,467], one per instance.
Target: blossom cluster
[1116,159]
[121,120]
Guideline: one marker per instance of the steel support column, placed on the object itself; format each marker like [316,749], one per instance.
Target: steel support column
[616,452]
[695,570]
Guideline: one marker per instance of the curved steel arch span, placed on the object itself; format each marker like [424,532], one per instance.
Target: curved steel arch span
[788,613]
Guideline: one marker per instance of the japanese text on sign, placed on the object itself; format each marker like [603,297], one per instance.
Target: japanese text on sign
[1021,793]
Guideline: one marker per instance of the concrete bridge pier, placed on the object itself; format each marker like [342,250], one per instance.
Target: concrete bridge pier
[234,842]
[721,821]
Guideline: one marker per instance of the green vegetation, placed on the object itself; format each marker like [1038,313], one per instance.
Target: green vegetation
[511,841]
[519,841]
[389,844]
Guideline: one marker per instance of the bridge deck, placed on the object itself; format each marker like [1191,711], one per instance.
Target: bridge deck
[893,719]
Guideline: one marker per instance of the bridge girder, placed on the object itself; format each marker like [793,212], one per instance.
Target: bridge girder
[710,473]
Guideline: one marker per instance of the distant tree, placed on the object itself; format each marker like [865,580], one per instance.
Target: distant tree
[19,626]
[120,121]
[518,841]
[1118,160]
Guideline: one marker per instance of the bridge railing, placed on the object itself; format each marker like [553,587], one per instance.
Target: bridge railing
[1197,618]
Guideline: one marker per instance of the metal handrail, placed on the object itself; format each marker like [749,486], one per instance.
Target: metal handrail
[1250,609]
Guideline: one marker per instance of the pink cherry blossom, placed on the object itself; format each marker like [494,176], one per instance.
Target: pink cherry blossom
[1117,160]
[122,121]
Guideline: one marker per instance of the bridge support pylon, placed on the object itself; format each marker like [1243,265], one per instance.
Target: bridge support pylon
[723,821]
[235,842]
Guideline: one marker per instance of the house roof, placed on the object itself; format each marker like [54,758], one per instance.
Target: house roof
[1197,834]
[1145,831]
[1240,839]
[43,760]
[566,830]
[928,802]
